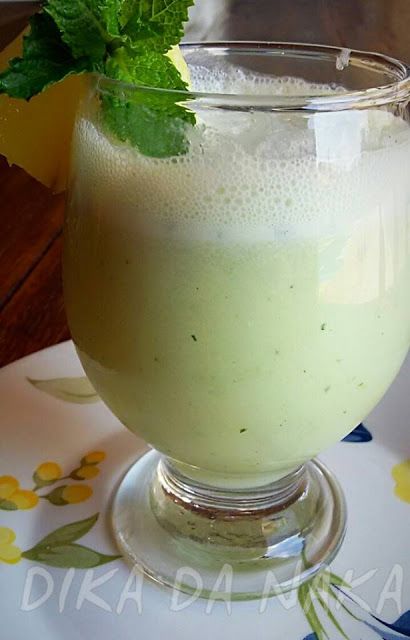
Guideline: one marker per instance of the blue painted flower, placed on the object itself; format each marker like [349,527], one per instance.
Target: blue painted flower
[385,630]
[403,623]
[360,434]
[399,629]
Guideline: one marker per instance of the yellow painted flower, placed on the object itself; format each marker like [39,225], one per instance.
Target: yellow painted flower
[13,498]
[24,499]
[401,475]
[86,472]
[49,472]
[8,486]
[94,457]
[9,553]
[74,493]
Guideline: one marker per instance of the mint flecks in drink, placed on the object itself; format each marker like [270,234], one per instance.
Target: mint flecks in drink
[127,40]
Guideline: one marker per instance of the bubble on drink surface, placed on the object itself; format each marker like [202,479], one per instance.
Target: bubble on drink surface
[249,176]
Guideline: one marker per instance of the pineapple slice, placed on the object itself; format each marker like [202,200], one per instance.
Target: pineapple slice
[36,135]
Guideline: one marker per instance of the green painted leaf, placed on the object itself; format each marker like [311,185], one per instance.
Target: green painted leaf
[57,549]
[334,579]
[7,505]
[69,532]
[330,614]
[40,482]
[306,602]
[340,603]
[46,60]
[55,497]
[75,390]
[68,556]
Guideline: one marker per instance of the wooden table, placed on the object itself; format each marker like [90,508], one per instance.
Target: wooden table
[31,304]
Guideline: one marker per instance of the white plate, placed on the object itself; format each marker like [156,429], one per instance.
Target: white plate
[43,602]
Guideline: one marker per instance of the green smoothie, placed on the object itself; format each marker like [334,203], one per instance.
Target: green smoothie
[242,308]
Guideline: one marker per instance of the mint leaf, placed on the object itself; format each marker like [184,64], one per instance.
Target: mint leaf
[154,25]
[153,122]
[46,60]
[86,26]
[110,11]
[128,9]
[148,69]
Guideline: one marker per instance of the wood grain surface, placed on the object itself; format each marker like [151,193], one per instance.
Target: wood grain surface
[31,302]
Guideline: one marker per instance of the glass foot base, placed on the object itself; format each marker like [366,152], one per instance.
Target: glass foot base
[228,543]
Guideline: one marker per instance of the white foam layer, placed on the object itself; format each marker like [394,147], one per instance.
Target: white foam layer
[255,175]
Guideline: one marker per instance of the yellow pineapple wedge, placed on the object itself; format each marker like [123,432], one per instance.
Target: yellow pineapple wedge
[36,135]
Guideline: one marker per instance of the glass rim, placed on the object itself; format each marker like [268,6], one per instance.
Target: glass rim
[396,91]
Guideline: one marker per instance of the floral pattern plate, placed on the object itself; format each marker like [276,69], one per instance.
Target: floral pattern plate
[62,455]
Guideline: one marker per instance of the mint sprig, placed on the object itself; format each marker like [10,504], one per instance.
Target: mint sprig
[124,39]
